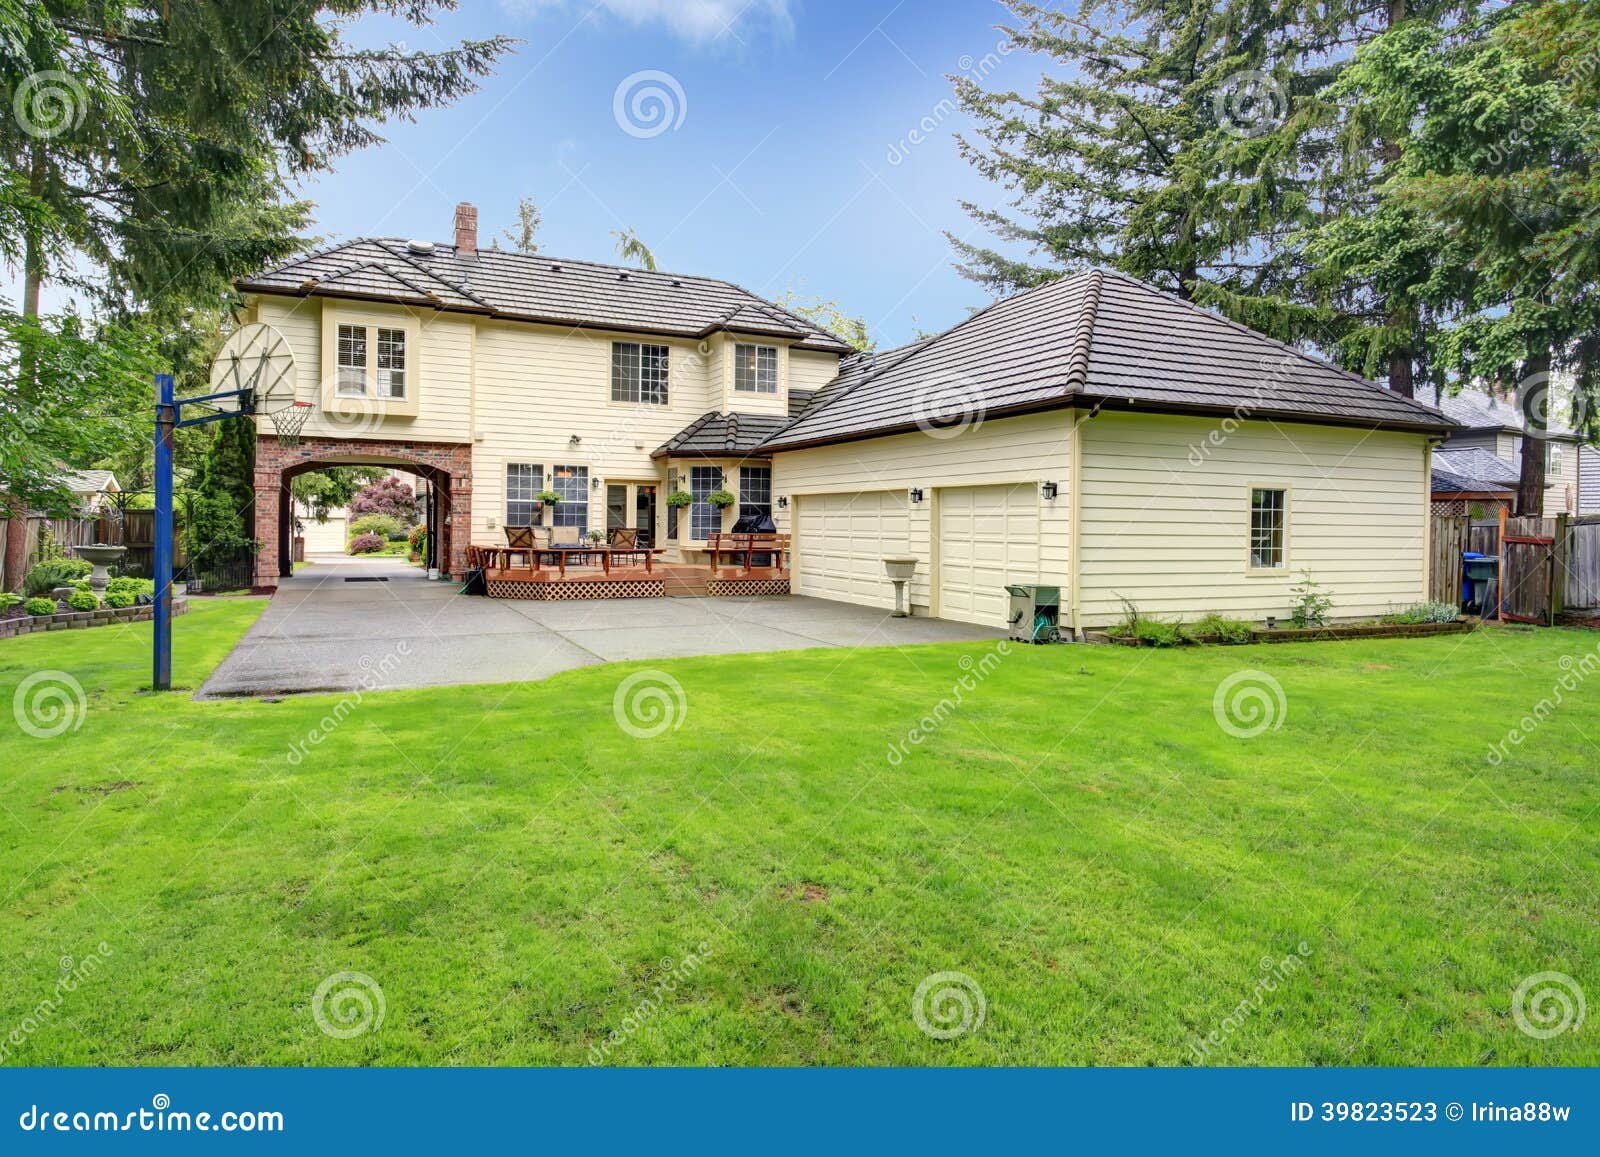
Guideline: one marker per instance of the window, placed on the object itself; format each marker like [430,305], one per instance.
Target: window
[1266,529]
[391,363]
[755,369]
[673,484]
[755,491]
[352,377]
[616,506]
[703,517]
[572,483]
[523,483]
[638,373]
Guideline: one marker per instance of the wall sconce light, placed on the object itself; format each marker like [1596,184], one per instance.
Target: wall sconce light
[594,483]
[1048,489]
[916,494]
[783,502]
[574,440]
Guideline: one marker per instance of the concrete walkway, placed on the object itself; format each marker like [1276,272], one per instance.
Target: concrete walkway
[324,632]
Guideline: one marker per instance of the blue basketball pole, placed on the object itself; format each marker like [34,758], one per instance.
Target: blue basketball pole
[166,423]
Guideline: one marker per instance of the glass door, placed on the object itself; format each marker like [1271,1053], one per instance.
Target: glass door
[644,514]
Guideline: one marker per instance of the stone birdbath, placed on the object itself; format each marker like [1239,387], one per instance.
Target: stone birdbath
[99,556]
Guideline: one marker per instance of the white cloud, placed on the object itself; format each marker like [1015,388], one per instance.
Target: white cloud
[699,21]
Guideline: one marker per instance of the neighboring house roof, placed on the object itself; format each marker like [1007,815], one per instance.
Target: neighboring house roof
[90,481]
[1476,464]
[536,288]
[1096,338]
[1476,409]
[717,435]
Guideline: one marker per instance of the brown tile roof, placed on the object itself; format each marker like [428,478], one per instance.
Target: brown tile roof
[1096,338]
[537,288]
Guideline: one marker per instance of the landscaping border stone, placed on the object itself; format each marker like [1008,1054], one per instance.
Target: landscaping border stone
[76,620]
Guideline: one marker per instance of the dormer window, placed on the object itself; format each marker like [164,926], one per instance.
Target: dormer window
[755,369]
[354,365]
[391,363]
[352,360]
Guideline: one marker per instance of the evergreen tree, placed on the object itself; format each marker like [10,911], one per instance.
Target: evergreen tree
[633,250]
[523,236]
[228,467]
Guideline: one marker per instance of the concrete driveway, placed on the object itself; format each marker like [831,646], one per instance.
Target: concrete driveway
[342,624]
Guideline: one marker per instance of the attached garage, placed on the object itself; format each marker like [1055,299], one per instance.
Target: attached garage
[843,540]
[988,537]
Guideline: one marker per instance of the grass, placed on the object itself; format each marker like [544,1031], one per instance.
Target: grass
[518,875]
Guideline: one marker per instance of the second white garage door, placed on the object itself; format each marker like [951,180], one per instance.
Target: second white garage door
[841,543]
[988,537]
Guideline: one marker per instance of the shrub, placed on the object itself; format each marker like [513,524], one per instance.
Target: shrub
[383,525]
[118,599]
[1213,628]
[1311,606]
[388,496]
[53,573]
[8,600]
[40,606]
[131,586]
[1425,613]
[366,544]
[1134,625]
[215,532]
[84,601]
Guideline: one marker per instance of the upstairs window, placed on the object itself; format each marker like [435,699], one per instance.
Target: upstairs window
[755,369]
[391,363]
[638,373]
[524,480]
[1266,529]
[352,377]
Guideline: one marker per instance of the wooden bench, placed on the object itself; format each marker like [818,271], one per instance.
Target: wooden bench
[720,543]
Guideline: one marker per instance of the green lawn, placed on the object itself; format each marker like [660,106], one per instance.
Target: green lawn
[1079,836]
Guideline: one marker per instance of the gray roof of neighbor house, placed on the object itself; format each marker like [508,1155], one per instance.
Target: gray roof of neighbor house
[717,435]
[536,288]
[1484,470]
[1477,410]
[89,481]
[1096,338]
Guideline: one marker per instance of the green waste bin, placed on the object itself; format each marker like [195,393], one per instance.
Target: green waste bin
[1035,613]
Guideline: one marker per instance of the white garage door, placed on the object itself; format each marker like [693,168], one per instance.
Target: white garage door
[325,537]
[841,541]
[988,537]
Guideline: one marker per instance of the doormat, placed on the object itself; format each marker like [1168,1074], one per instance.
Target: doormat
[368,579]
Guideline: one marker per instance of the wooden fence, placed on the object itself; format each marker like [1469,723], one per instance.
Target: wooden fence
[1582,562]
[1451,535]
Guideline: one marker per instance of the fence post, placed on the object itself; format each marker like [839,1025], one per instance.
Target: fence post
[1559,554]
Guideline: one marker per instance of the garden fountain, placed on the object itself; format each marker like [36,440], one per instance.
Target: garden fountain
[100,556]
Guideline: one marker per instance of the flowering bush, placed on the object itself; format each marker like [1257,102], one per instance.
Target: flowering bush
[387,496]
[366,543]
[418,538]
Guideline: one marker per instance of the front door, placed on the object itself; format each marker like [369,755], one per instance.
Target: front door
[644,513]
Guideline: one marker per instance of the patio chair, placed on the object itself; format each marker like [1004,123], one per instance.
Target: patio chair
[563,536]
[625,537]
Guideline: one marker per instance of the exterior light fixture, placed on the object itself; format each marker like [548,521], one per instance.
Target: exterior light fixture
[574,440]
[594,483]
[1048,489]
[916,494]
[783,502]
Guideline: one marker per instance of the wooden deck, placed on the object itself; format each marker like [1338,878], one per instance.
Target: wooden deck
[663,580]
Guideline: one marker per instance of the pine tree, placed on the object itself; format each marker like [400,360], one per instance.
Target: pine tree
[227,469]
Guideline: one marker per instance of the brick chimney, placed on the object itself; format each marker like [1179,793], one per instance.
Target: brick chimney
[466,229]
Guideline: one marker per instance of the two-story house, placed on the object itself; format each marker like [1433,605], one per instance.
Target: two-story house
[1477,468]
[501,376]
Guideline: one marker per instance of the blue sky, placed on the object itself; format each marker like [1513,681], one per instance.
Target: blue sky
[787,162]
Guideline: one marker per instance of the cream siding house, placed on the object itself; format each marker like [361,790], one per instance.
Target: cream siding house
[1494,425]
[1101,437]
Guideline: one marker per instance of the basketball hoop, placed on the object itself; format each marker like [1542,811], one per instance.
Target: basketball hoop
[289,421]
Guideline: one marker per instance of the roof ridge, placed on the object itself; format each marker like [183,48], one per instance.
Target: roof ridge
[1259,336]
[1083,336]
[405,258]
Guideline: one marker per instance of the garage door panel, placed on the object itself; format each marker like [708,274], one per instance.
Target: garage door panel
[988,539]
[843,539]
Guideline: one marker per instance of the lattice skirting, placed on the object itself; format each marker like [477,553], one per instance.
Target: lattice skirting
[734,588]
[595,589]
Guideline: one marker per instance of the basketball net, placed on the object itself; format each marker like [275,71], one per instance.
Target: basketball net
[289,421]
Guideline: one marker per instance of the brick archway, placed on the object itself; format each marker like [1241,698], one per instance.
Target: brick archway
[448,465]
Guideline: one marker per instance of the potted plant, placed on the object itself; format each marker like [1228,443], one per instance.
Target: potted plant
[680,499]
[721,499]
[549,497]
[596,536]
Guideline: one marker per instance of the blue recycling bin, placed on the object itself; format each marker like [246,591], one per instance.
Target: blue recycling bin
[1477,572]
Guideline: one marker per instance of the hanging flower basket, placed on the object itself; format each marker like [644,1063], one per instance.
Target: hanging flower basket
[721,499]
[680,499]
[549,497]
